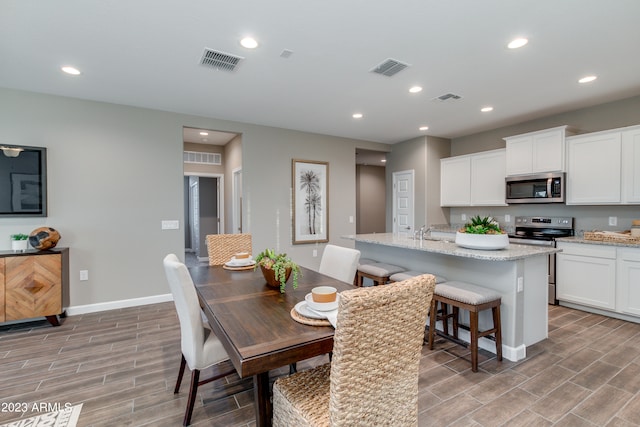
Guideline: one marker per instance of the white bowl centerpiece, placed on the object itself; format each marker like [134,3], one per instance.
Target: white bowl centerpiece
[482,233]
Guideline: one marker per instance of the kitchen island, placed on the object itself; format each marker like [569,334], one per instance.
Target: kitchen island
[518,273]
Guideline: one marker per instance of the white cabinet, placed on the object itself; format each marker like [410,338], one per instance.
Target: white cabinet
[631,165]
[628,284]
[536,152]
[593,172]
[586,274]
[473,179]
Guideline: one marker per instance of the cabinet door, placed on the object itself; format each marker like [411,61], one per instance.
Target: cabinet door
[455,181]
[519,155]
[593,175]
[631,166]
[628,285]
[487,178]
[587,280]
[2,316]
[33,286]
[548,151]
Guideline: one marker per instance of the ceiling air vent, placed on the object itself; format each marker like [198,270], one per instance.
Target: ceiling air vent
[447,97]
[220,60]
[389,67]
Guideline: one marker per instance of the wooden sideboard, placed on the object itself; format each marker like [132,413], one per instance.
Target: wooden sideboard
[34,284]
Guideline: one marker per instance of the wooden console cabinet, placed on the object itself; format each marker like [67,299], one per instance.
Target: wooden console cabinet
[34,284]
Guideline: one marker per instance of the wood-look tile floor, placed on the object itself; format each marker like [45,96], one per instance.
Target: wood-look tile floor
[122,365]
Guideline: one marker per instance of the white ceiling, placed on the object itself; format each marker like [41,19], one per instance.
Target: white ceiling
[146,53]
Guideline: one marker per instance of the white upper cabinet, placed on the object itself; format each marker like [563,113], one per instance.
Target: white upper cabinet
[536,152]
[473,179]
[631,165]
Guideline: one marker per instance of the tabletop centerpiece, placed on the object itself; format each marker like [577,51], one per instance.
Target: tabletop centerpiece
[19,242]
[276,269]
[482,233]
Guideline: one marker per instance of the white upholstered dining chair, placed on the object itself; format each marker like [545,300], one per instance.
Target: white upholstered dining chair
[201,349]
[372,379]
[340,263]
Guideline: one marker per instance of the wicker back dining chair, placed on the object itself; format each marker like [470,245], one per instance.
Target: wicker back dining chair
[200,347]
[222,247]
[339,263]
[372,379]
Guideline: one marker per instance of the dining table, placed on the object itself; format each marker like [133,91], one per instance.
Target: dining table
[253,321]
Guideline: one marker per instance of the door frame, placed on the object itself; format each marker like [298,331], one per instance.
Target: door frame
[220,178]
[394,175]
[236,200]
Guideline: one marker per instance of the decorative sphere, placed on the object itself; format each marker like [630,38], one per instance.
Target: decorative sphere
[44,238]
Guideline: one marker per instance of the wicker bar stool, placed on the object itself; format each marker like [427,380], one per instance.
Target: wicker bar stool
[379,272]
[461,295]
[221,247]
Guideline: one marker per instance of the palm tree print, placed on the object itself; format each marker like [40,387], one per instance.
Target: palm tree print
[310,182]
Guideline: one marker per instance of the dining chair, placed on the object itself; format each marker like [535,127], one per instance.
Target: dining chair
[373,376]
[222,247]
[201,349]
[340,263]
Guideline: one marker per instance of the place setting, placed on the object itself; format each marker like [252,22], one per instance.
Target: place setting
[240,261]
[319,308]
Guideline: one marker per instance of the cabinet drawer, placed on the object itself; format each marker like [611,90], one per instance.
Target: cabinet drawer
[586,249]
[625,254]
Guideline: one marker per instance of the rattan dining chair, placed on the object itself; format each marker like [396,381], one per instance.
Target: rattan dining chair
[201,349]
[372,379]
[222,247]
[340,263]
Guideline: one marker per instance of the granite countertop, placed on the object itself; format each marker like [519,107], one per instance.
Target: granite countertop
[578,239]
[447,247]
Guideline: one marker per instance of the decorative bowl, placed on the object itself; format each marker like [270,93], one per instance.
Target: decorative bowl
[486,242]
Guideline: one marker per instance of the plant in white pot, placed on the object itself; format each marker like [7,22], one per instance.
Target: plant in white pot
[19,242]
[482,233]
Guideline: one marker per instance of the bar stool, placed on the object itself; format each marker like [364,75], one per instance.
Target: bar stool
[361,262]
[379,272]
[404,275]
[461,295]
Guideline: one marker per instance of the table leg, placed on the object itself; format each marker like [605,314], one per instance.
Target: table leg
[262,399]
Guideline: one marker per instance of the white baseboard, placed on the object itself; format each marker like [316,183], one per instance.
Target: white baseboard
[113,305]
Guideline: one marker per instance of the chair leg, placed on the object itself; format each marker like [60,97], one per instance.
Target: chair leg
[473,326]
[193,392]
[498,334]
[433,314]
[456,324]
[445,317]
[183,363]
[293,368]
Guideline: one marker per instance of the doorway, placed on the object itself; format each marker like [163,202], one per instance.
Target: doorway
[203,211]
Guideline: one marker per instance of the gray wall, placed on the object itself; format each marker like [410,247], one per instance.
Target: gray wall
[601,117]
[116,172]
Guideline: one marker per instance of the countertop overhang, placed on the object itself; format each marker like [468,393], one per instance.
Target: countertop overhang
[448,247]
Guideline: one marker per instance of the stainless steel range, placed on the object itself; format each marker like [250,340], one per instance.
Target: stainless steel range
[542,231]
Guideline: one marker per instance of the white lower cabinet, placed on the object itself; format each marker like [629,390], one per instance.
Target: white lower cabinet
[586,274]
[628,284]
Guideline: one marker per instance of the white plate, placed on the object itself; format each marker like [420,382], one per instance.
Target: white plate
[240,262]
[322,306]
[301,308]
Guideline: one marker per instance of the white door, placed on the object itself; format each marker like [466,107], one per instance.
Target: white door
[403,201]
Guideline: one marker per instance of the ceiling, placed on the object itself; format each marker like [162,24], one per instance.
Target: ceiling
[147,53]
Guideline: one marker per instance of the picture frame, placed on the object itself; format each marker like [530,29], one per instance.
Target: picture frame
[310,201]
[25,192]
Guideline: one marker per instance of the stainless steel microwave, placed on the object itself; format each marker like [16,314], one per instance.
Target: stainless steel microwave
[538,188]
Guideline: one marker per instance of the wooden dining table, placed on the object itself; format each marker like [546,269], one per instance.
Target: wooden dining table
[253,321]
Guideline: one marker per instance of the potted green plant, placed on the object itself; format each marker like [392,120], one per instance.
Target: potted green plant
[482,233]
[276,268]
[19,242]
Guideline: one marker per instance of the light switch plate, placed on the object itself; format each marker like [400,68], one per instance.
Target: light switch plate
[613,220]
[170,224]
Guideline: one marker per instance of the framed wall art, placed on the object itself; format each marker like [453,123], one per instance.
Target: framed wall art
[310,184]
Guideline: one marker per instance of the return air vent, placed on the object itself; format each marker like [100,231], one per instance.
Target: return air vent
[447,97]
[202,158]
[220,60]
[389,67]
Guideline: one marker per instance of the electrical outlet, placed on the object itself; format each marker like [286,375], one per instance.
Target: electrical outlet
[520,284]
[170,224]
[350,219]
[315,253]
[507,218]
[613,220]
[84,275]
[463,217]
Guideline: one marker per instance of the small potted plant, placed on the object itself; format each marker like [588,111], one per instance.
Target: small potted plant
[19,242]
[276,268]
[482,233]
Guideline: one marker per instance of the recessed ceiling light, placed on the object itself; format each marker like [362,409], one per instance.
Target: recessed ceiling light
[249,42]
[70,70]
[384,160]
[204,133]
[357,116]
[424,127]
[486,109]
[516,43]
[587,79]
[415,89]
